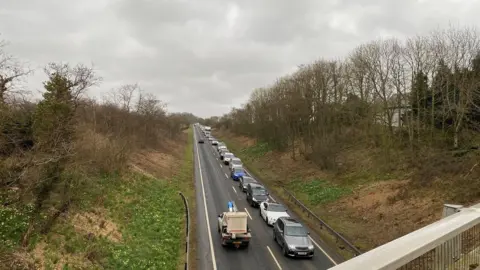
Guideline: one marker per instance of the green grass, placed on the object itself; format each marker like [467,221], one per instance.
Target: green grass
[13,223]
[149,214]
[318,191]
[152,232]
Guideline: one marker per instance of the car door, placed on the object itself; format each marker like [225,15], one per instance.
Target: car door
[263,208]
[249,192]
[279,232]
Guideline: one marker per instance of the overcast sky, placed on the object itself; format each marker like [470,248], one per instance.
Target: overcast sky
[206,56]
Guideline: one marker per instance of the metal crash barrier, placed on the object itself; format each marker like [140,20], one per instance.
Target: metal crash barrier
[452,243]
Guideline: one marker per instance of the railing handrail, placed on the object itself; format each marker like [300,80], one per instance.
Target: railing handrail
[338,236]
[400,251]
[187,236]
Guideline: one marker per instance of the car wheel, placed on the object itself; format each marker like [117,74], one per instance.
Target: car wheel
[274,236]
[285,253]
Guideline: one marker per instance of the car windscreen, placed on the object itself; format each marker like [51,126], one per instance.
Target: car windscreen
[238,170]
[259,191]
[247,180]
[228,155]
[295,231]
[276,208]
[237,161]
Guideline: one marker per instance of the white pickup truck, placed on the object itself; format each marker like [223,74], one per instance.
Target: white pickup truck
[233,228]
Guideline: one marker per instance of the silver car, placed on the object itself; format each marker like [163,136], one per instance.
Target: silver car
[293,238]
[227,157]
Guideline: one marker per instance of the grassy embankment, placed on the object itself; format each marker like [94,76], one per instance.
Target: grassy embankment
[366,204]
[130,221]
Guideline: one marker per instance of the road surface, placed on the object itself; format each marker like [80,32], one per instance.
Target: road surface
[214,188]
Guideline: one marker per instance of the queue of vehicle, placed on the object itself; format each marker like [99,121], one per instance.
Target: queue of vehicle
[288,233]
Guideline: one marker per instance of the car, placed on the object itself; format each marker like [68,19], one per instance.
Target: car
[220,147]
[201,141]
[235,166]
[214,142]
[222,152]
[211,139]
[256,194]
[244,181]
[227,157]
[237,173]
[293,238]
[235,161]
[270,212]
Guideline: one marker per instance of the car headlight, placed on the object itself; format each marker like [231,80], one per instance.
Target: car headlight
[310,247]
[291,247]
[255,200]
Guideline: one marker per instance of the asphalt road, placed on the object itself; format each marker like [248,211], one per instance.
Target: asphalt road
[214,188]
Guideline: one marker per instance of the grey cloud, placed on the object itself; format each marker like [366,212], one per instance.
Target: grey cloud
[207,56]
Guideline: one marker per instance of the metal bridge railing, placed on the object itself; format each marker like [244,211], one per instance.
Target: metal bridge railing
[452,243]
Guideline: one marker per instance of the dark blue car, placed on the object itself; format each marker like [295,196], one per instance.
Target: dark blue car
[237,173]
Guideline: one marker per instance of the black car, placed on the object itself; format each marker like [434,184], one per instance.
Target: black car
[256,194]
[244,181]
[201,141]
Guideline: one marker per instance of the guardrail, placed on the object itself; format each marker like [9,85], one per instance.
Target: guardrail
[323,225]
[187,233]
[451,243]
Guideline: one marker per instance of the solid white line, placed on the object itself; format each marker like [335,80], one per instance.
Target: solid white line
[248,214]
[275,259]
[316,244]
[205,205]
[272,198]
[234,189]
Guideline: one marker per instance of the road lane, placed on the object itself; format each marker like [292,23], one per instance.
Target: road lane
[263,252]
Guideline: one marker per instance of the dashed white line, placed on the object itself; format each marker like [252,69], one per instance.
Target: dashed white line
[328,256]
[226,175]
[275,259]
[214,262]
[234,189]
[248,214]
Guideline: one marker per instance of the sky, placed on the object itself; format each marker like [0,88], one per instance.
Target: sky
[207,56]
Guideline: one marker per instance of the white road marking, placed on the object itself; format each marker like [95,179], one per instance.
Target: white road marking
[328,256]
[275,259]
[226,175]
[248,214]
[234,189]
[214,262]
[314,242]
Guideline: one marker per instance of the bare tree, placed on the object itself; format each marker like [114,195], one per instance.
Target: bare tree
[11,71]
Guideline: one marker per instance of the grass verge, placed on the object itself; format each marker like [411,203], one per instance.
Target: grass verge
[129,221]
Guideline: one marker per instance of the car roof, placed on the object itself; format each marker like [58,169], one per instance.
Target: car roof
[289,221]
[237,158]
[250,178]
[273,203]
[256,185]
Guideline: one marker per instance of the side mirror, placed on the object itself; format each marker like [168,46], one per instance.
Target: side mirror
[220,215]
[308,233]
